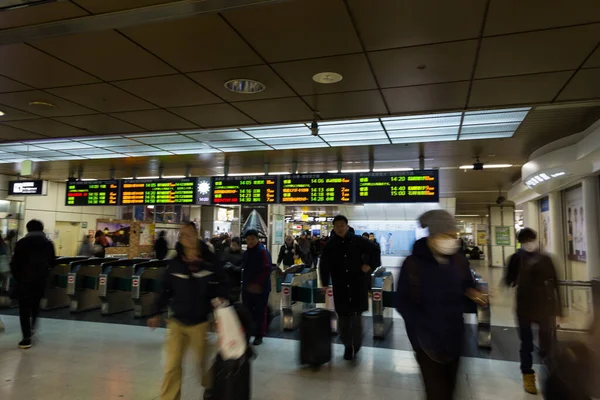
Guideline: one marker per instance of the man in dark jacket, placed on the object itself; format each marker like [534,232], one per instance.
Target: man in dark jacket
[256,283]
[538,300]
[192,280]
[161,247]
[348,260]
[434,285]
[34,256]
[315,250]
[232,262]
[288,253]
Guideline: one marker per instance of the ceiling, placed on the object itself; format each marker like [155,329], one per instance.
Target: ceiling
[144,66]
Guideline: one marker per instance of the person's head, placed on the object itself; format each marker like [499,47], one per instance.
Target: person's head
[289,240]
[372,237]
[87,238]
[528,239]
[442,232]
[315,237]
[35,226]
[162,234]
[340,226]
[252,238]
[188,236]
[365,235]
[235,245]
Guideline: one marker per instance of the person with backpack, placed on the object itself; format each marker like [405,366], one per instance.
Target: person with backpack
[538,301]
[434,286]
[348,261]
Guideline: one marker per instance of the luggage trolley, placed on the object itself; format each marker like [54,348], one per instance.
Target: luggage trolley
[82,284]
[114,285]
[56,295]
[145,285]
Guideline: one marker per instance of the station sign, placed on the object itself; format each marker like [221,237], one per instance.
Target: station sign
[95,193]
[317,189]
[28,188]
[203,190]
[398,187]
[158,191]
[245,190]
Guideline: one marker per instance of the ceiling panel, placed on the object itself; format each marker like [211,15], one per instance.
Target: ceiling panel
[105,54]
[12,114]
[190,44]
[218,135]
[444,96]
[584,85]
[39,14]
[169,91]
[161,139]
[155,120]
[102,97]
[8,85]
[62,107]
[424,64]
[533,52]
[348,105]
[280,110]
[103,124]
[32,67]
[213,115]
[354,69]
[509,16]
[594,60]
[524,89]
[278,131]
[10,133]
[104,6]
[47,127]
[215,81]
[304,29]
[385,24]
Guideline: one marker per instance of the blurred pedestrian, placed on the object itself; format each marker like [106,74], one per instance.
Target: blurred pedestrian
[161,247]
[434,285]
[86,249]
[232,263]
[100,245]
[34,256]
[288,253]
[315,250]
[538,301]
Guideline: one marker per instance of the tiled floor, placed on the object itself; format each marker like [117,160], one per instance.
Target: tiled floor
[83,360]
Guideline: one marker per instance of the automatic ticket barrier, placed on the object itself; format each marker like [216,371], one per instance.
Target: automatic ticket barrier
[276,287]
[297,294]
[56,290]
[83,284]
[114,285]
[484,317]
[145,285]
[382,301]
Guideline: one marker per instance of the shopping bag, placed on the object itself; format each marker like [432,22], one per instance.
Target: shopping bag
[231,336]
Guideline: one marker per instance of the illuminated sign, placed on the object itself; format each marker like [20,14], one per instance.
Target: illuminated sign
[203,190]
[244,190]
[398,187]
[95,193]
[158,191]
[27,188]
[317,189]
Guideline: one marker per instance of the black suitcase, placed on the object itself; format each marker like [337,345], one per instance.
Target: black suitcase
[232,378]
[315,337]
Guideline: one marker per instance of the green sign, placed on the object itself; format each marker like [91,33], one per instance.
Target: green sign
[503,236]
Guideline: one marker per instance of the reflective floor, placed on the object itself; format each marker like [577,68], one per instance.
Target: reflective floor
[85,360]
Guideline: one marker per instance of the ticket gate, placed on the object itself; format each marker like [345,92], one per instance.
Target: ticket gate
[382,283]
[275,295]
[145,285]
[114,285]
[56,295]
[297,294]
[484,318]
[82,284]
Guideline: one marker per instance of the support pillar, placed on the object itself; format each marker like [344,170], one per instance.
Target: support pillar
[591,203]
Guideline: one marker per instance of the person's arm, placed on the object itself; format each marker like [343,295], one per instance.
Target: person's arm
[555,289]
[17,261]
[512,272]
[325,266]
[166,292]
[265,268]
[280,256]
[371,256]
[406,295]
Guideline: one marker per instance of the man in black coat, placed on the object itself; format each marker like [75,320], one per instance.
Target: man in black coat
[34,256]
[348,260]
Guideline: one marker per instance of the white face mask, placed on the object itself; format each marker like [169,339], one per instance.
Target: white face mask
[445,247]
[530,246]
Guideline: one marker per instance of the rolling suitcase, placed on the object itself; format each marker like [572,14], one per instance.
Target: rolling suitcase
[315,337]
[232,378]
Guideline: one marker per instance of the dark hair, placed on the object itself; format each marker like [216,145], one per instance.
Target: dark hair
[191,225]
[526,235]
[251,232]
[98,234]
[365,235]
[236,240]
[340,218]
[371,234]
[35,226]
[162,234]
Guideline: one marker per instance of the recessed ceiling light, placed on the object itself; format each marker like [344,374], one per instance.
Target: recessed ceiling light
[244,86]
[41,104]
[327,78]
[1,113]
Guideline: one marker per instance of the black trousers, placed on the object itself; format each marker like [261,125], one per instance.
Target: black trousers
[256,304]
[546,338]
[30,295]
[439,379]
[351,330]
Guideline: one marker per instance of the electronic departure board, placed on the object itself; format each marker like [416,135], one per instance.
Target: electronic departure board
[244,189]
[95,193]
[317,189]
[398,187]
[158,191]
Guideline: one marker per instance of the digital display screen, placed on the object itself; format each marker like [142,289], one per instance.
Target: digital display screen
[317,189]
[244,190]
[27,188]
[398,187]
[96,193]
[158,191]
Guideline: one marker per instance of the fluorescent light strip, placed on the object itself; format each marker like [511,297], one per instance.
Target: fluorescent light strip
[392,169]
[488,166]
[468,215]
[248,174]
[349,171]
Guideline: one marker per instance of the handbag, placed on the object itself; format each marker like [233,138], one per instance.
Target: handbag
[231,338]
[297,260]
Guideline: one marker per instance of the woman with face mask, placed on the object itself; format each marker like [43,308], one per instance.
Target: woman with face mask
[434,286]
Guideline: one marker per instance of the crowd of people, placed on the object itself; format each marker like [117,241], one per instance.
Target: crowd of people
[434,286]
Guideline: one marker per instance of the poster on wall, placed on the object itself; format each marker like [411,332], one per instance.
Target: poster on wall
[146,234]
[279,228]
[394,238]
[117,235]
[482,237]
[255,217]
[502,236]
[576,233]
[545,233]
